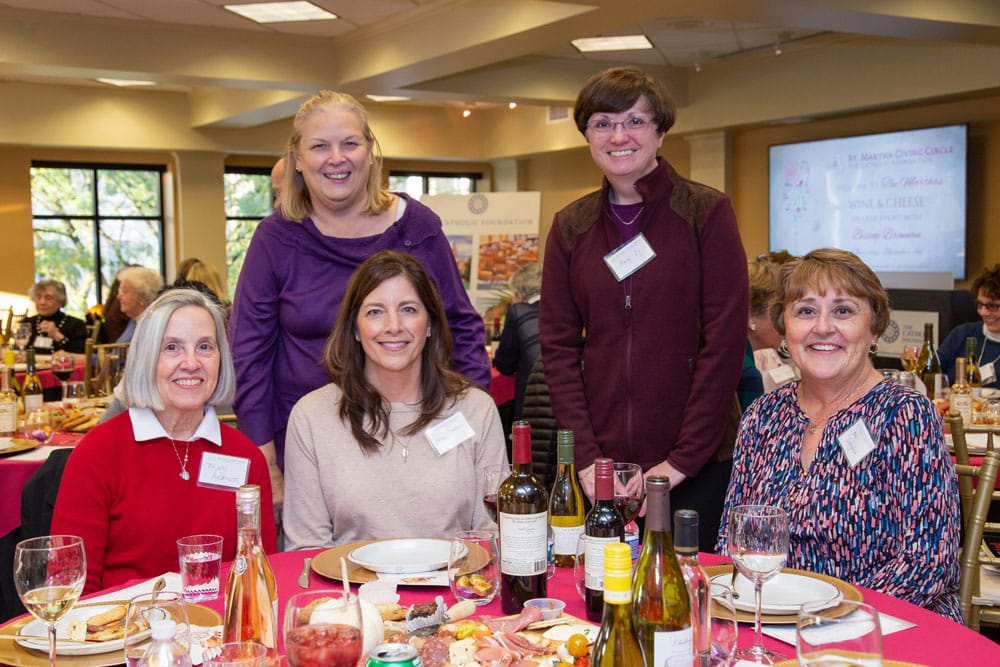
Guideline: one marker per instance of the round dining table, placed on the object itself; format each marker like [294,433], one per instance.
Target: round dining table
[934,641]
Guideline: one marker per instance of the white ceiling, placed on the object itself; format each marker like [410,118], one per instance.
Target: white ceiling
[467,52]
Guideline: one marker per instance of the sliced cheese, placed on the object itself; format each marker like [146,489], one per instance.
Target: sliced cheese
[462,652]
[77,630]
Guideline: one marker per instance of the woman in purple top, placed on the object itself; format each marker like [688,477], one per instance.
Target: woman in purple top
[332,214]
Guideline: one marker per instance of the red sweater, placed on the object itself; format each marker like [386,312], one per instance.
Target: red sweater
[130,506]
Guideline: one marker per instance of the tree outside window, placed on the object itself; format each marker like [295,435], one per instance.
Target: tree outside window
[248,200]
[90,220]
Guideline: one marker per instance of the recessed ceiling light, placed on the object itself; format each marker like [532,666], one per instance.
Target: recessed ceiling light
[466,113]
[617,43]
[278,12]
[387,98]
[512,105]
[127,82]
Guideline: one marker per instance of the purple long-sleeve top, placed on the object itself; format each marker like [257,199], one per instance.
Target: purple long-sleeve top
[287,298]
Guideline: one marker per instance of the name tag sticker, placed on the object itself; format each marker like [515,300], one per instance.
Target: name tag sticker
[782,374]
[43,341]
[449,433]
[222,471]
[988,373]
[856,442]
[629,257]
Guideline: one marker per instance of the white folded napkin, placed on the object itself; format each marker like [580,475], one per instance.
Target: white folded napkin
[785,632]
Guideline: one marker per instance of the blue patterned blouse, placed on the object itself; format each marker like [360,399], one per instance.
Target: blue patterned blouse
[891,523]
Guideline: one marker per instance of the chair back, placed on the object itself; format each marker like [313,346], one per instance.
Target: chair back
[103,366]
[984,476]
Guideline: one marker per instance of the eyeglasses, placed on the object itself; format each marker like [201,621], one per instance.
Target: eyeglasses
[990,306]
[632,125]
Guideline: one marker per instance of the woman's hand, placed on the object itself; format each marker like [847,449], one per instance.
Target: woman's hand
[663,469]
[587,482]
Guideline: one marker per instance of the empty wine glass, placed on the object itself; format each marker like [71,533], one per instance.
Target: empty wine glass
[22,335]
[62,366]
[328,634]
[852,639]
[758,545]
[49,573]
[724,630]
[630,489]
[493,477]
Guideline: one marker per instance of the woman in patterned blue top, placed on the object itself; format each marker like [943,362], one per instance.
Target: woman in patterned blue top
[857,461]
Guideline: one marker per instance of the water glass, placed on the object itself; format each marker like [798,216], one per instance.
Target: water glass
[236,654]
[852,639]
[724,630]
[38,425]
[200,558]
[142,611]
[474,566]
[74,392]
[493,476]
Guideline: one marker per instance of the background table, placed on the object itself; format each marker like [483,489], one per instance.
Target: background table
[935,641]
[15,471]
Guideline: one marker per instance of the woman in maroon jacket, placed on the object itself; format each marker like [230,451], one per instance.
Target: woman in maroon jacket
[646,297]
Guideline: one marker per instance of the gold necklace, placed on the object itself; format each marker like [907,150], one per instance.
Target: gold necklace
[185,475]
[623,221]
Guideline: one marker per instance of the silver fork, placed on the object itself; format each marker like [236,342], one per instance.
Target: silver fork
[732,583]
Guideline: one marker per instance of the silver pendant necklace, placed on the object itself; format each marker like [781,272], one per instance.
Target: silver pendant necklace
[627,222]
[184,464]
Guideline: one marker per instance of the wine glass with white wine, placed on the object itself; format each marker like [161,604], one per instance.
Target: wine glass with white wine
[758,545]
[49,573]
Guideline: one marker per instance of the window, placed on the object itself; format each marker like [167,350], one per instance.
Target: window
[90,220]
[248,201]
[417,184]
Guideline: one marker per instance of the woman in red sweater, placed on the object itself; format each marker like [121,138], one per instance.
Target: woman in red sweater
[137,482]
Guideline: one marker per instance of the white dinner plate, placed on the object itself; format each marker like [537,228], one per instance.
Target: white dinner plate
[403,556]
[784,593]
[37,628]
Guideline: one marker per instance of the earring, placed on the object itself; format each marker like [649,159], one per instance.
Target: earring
[873,349]
[753,325]
[428,332]
[783,348]
[357,337]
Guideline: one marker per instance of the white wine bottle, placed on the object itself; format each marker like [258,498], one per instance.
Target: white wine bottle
[565,503]
[522,510]
[660,596]
[8,406]
[251,593]
[972,374]
[928,364]
[31,388]
[961,392]
[617,644]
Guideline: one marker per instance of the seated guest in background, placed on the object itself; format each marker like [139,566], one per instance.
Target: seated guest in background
[986,290]
[775,369]
[519,345]
[137,287]
[365,457]
[52,329]
[195,270]
[857,461]
[135,484]
[113,321]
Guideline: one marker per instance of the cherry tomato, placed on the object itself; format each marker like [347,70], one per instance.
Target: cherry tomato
[583,661]
[577,645]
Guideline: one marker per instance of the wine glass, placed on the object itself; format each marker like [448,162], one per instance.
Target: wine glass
[630,489]
[909,358]
[62,366]
[38,425]
[323,629]
[142,611]
[758,545]
[21,336]
[49,573]
[236,654]
[493,477]
[852,639]
[580,567]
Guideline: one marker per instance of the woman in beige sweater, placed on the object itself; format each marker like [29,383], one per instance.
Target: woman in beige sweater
[396,444]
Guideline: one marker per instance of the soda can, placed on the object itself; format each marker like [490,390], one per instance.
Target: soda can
[394,655]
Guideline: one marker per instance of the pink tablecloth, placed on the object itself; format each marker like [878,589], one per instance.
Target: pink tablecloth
[15,471]
[935,641]
[49,380]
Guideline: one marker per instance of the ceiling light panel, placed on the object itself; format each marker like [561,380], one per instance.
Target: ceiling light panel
[281,12]
[617,43]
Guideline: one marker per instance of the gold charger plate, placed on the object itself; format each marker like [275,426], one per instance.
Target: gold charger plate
[12,653]
[850,593]
[20,445]
[327,563]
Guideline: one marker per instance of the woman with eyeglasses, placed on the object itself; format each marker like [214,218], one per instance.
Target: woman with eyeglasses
[986,288]
[646,297]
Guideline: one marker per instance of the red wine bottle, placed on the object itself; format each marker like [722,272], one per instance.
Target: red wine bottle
[522,509]
[604,525]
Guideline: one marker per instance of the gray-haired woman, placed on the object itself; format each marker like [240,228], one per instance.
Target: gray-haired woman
[167,468]
[52,329]
[137,287]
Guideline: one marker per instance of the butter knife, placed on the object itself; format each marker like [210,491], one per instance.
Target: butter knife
[304,577]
